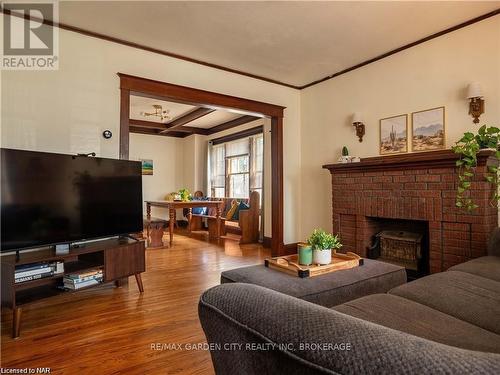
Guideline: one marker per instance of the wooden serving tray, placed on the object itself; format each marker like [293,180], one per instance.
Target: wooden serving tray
[290,264]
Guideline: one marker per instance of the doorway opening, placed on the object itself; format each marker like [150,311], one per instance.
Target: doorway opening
[193,114]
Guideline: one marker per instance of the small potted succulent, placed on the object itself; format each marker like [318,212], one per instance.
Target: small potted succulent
[322,244]
[305,254]
[345,158]
[345,151]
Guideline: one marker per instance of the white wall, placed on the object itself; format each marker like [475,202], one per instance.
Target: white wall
[195,160]
[67,110]
[168,166]
[429,75]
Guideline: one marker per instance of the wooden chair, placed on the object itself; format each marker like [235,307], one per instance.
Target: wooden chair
[249,220]
[247,225]
[197,220]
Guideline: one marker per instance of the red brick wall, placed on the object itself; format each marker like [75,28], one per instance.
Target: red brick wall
[419,194]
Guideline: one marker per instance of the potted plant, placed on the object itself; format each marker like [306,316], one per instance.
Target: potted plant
[345,155]
[345,151]
[184,195]
[468,147]
[305,254]
[322,244]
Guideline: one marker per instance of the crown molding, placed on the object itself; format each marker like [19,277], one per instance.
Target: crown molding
[246,74]
[402,48]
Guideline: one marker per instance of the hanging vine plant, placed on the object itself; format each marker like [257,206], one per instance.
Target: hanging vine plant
[468,147]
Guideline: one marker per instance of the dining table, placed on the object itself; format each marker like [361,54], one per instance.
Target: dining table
[172,206]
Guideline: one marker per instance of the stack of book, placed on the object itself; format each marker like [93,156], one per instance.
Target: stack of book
[34,271]
[80,280]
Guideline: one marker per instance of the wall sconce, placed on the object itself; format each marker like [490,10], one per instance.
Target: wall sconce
[476,105]
[357,122]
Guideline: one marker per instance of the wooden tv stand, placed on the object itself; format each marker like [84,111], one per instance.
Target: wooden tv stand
[119,258]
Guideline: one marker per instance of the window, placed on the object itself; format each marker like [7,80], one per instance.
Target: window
[236,167]
[238,176]
[257,164]
[218,172]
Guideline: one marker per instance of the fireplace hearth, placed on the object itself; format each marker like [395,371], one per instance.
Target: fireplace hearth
[414,193]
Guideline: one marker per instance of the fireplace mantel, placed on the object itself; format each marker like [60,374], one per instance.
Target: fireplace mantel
[417,187]
[417,160]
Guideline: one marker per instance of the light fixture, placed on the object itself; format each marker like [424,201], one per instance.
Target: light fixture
[476,105]
[357,122]
[158,112]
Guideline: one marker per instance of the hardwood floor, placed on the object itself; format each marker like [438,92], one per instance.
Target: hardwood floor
[110,330]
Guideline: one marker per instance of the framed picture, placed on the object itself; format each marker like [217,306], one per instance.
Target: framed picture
[428,130]
[394,135]
[147,167]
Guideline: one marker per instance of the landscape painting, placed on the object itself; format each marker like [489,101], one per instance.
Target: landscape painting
[428,130]
[147,167]
[394,135]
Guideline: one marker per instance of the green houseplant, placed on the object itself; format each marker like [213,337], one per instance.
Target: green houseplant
[468,147]
[322,244]
[344,158]
[185,195]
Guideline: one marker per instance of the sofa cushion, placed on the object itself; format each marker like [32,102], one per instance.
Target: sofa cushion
[199,210]
[241,207]
[488,267]
[327,290]
[416,319]
[465,296]
[232,210]
[252,315]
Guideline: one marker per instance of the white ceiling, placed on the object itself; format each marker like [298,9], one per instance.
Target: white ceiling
[292,42]
[213,119]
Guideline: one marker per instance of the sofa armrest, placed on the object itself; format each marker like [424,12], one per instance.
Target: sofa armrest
[280,334]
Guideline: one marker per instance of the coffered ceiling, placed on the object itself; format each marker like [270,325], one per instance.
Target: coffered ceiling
[180,120]
[291,42]
[142,108]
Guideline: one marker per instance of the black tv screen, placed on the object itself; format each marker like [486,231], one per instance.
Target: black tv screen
[54,198]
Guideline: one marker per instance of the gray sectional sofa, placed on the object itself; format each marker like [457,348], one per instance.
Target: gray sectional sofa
[446,323]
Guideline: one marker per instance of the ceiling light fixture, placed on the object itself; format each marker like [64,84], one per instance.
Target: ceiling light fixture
[158,112]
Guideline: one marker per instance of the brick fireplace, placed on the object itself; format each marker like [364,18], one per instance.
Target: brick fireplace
[417,187]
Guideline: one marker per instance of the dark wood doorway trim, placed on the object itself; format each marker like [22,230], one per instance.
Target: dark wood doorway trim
[132,85]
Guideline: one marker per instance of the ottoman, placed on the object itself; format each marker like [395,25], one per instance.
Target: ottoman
[326,290]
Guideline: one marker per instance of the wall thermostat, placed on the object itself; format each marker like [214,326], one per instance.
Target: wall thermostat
[107,134]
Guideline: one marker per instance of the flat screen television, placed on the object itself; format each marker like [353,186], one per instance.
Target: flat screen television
[48,199]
